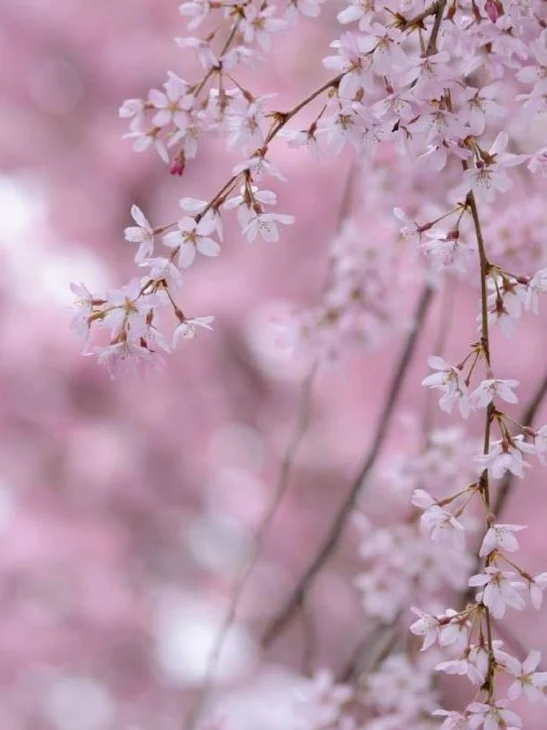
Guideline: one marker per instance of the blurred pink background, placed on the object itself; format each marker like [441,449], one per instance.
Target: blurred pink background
[127,507]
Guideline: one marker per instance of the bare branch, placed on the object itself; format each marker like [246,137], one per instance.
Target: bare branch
[344,512]
[280,491]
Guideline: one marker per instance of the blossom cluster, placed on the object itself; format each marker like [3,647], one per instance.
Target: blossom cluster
[401,568]
[429,93]
[434,100]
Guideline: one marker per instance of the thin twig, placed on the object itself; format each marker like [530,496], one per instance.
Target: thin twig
[417,20]
[447,310]
[432,45]
[281,489]
[282,485]
[485,478]
[374,648]
[310,640]
[344,512]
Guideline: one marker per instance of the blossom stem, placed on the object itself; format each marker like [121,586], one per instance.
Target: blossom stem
[484,479]
[418,19]
[287,116]
[432,44]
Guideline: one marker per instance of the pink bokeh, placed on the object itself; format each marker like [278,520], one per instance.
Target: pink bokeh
[127,507]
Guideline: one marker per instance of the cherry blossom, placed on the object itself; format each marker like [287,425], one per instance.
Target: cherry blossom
[257,24]
[453,720]
[171,106]
[536,586]
[84,307]
[450,380]
[125,309]
[505,456]
[540,443]
[527,680]
[187,329]
[416,93]
[488,174]
[265,226]
[537,285]
[124,357]
[191,238]
[493,716]
[142,233]
[426,626]
[500,537]
[309,8]
[493,388]
[500,590]
[446,250]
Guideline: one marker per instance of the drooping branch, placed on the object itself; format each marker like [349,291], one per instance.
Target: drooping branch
[280,491]
[344,512]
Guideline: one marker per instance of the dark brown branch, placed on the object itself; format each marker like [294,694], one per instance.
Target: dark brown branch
[291,606]
[432,45]
[280,491]
[370,652]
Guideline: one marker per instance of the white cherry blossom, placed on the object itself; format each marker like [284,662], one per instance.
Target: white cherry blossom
[501,589]
[528,680]
[142,233]
[494,716]
[486,176]
[536,286]
[453,720]
[187,329]
[493,388]
[443,527]
[84,308]
[191,238]
[500,537]
[426,626]
[450,380]
[536,586]
[505,456]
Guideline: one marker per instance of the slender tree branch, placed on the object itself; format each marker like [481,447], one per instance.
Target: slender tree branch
[344,512]
[370,652]
[280,491]
[417,20]
[484,478]
[447,310]
[282,486]
[432,45]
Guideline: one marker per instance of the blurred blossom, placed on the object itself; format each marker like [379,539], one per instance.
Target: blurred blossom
[128,509]
[79,703]
[185,633]
[236,445]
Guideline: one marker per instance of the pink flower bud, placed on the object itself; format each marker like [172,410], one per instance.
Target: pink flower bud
[178,164]
[493,9]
